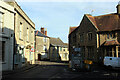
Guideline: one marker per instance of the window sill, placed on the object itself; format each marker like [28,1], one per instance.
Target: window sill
[20,39]
[3,62]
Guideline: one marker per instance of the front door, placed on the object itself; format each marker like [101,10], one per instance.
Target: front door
[39,57]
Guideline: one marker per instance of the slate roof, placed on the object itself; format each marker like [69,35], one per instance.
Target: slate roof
[38,33]
[57,42]
[109,22]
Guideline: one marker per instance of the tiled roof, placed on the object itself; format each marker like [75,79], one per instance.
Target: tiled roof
[72,29]
[56,41]
[38,33]
[65,44]
[107,22]
[113,42]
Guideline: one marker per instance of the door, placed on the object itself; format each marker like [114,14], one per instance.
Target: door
[39,57]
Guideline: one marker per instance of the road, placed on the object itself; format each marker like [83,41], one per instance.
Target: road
[60,71]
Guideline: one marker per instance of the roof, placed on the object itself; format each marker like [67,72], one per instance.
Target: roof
[72,29]
[56,42]
[109,22]
[21,12]
[65,44]
[112,42]
[38,33]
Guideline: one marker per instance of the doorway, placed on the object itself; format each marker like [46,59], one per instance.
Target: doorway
[39,57]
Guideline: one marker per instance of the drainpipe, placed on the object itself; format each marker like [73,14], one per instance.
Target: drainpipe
[14,48]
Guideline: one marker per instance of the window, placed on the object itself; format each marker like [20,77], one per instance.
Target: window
[111,35]
[44,47]
[44,39]
[81,37]
[89,36]
[90,52]
[60,48]
[63,49]
[74,38]
[27,34]
[20,33]
[108,36]
[1,22]
[65,55]
[114,36]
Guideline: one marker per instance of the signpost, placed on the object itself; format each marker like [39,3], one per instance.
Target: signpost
[31,54]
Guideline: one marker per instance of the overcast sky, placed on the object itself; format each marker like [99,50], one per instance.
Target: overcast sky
[57,17]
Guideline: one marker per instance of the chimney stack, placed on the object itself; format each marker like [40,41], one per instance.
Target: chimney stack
[45,31]
[118,8]
[42,30]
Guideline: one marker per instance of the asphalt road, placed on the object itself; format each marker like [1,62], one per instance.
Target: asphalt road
[53,72]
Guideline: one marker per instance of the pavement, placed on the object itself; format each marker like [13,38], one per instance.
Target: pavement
[24,68]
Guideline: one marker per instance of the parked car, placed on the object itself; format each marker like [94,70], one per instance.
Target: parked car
[113,62]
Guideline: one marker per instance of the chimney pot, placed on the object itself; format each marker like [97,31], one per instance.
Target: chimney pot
[118,8]
[46,32]
[42,30]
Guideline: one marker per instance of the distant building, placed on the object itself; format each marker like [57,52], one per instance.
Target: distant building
[58,50]
[64,52]
[97,37]
[6,36]
[42,45]
[24,37]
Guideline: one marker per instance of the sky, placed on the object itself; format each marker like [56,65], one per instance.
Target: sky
[59,16]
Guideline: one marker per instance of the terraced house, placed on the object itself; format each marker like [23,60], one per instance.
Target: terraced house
[6,36]
[24,37]
[97,36]
[58,50]
[42,45]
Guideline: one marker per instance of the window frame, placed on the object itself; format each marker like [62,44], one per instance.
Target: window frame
[20,31]
[44,39]
[90,36]
[2,22]
[27,34]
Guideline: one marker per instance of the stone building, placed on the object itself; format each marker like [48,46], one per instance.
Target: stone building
[64,52]
[6,36]
[42,45]
[97,36]
[24,37]
[58,50]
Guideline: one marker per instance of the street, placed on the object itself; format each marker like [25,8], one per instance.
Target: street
[60,71]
